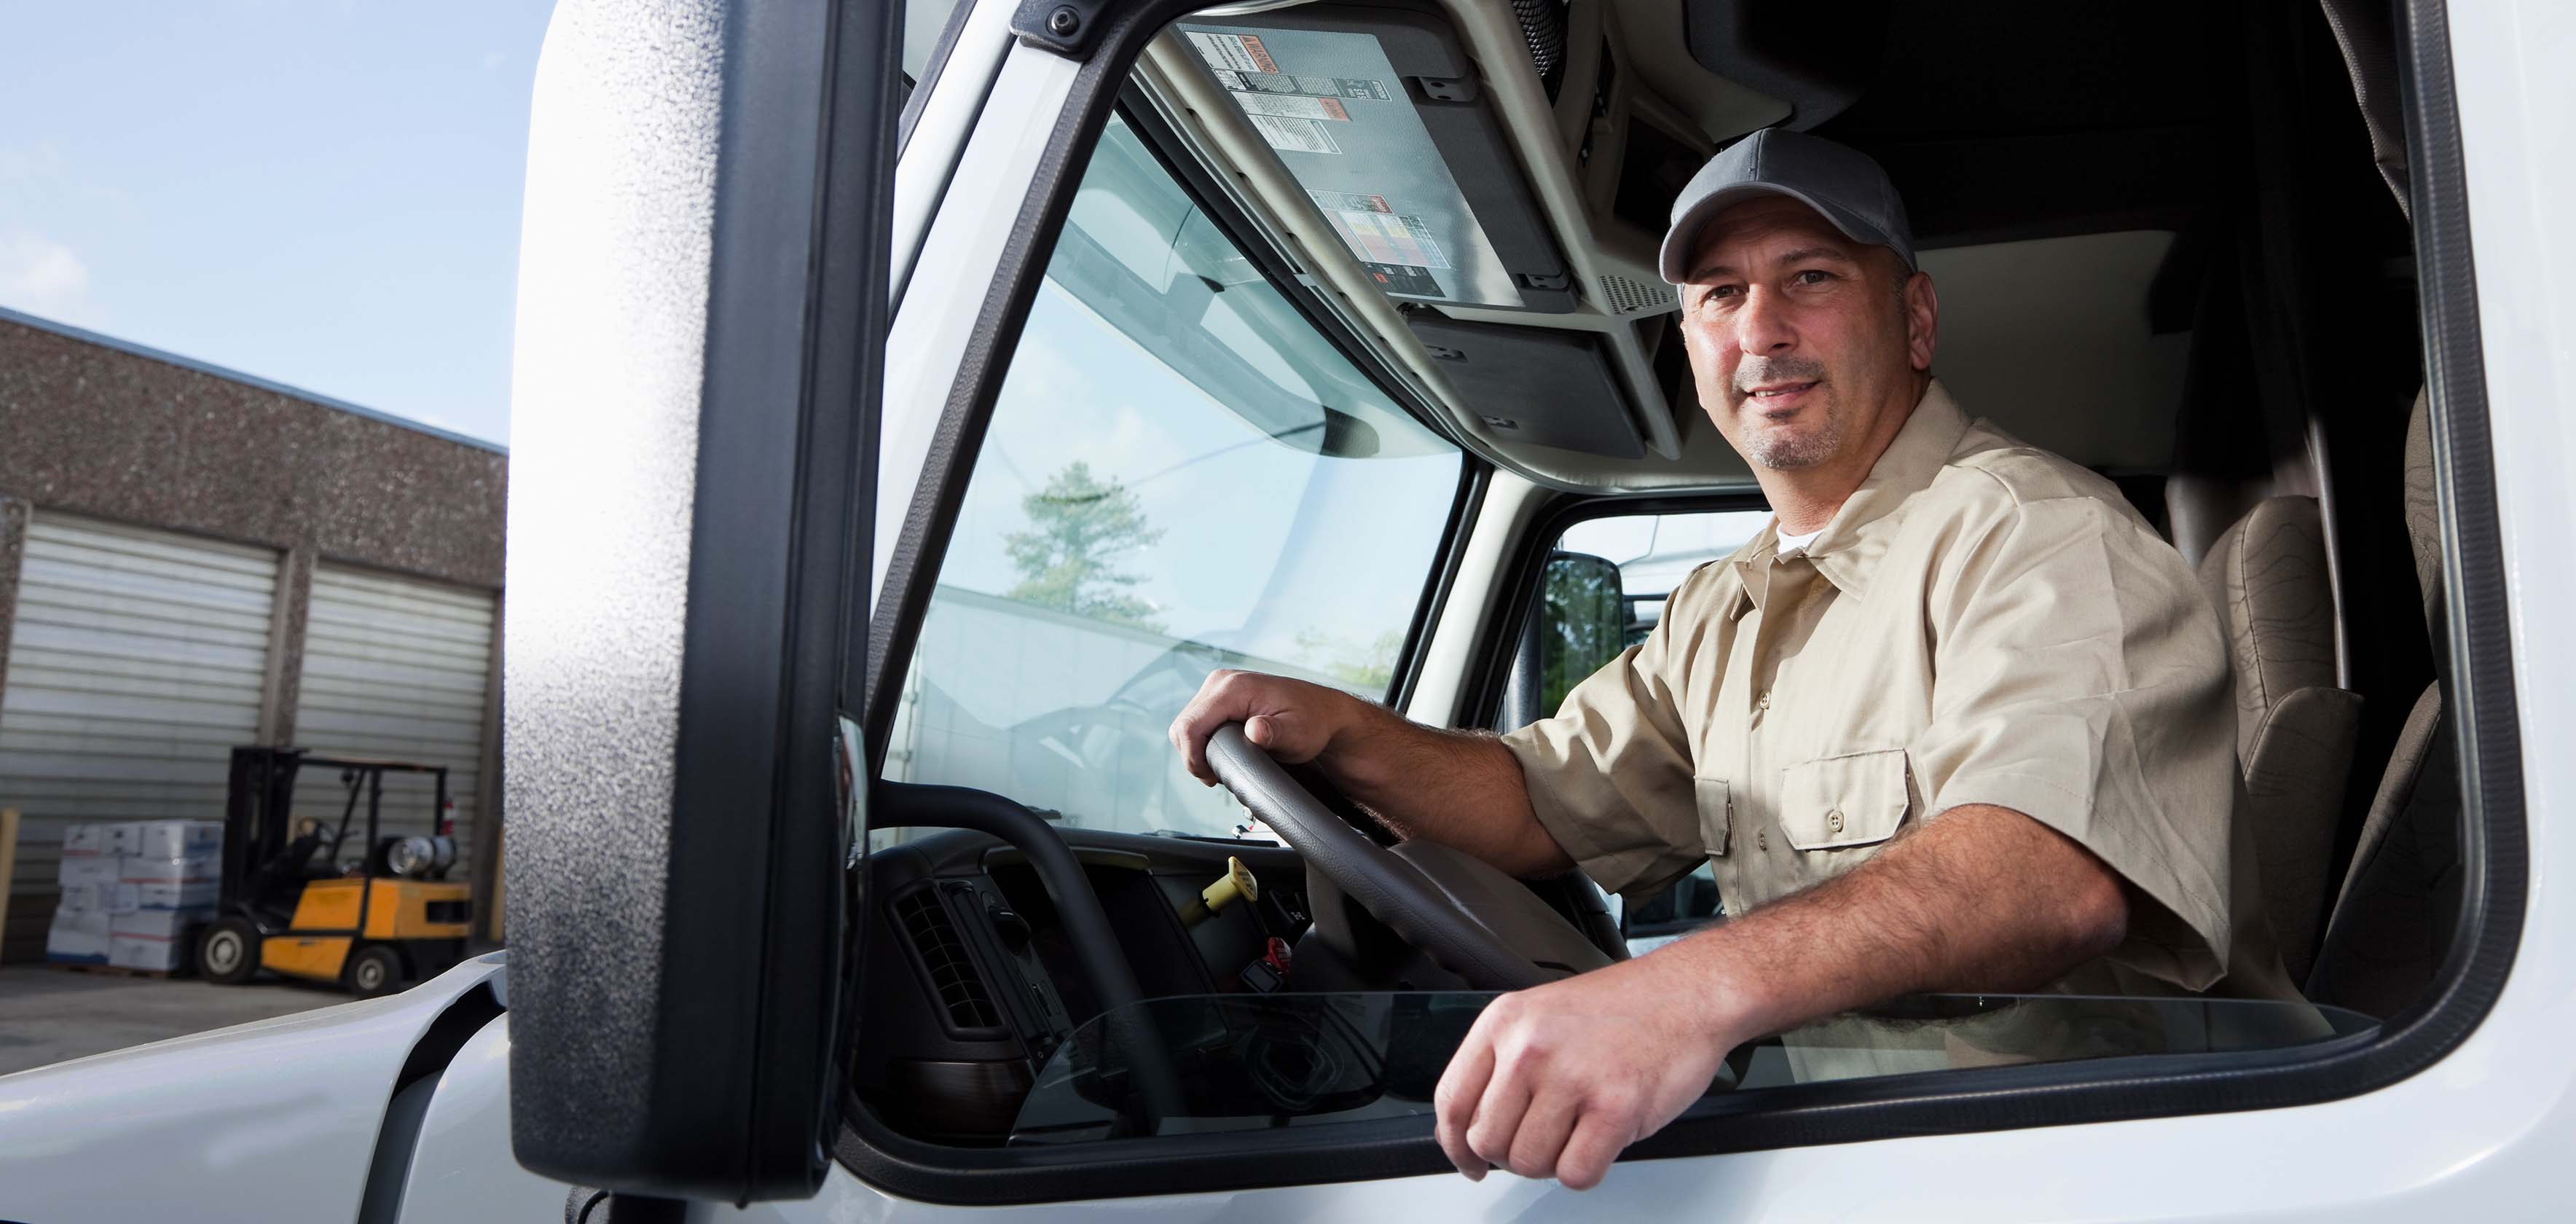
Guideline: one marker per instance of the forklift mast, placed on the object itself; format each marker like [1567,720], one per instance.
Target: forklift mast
[258,810]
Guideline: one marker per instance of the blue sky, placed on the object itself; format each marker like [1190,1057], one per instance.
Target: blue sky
[318,192]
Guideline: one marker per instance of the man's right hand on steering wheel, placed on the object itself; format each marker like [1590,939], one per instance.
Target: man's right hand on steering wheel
[1292,720]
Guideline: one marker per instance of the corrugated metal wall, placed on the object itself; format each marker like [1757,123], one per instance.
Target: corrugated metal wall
[137,662]
[394,668]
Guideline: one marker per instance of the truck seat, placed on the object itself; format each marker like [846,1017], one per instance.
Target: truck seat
[2392,924]
[2294,728]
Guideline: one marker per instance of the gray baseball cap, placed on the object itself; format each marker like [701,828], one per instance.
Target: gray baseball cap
[1836,180]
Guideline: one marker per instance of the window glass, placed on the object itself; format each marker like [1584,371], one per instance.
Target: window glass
[1651,554]
[1180,474]
[1654,552]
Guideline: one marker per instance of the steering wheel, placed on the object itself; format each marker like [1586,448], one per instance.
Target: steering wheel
[1467,915]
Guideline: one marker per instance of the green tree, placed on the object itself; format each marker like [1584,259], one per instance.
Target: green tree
[1583,625]
[1077,524]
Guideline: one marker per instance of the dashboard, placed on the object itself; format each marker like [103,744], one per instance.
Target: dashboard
[971,982]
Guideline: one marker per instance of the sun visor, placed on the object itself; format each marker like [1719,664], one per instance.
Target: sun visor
[1534,385]
[1378,115]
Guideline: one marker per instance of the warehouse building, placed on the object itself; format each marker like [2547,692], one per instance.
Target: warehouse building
[192,559]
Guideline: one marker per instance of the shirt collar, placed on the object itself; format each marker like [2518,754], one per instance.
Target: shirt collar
[1848,550]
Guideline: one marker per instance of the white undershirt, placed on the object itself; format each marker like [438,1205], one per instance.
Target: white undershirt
[1791,545]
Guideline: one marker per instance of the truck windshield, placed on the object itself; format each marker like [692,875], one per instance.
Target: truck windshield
[1181,474]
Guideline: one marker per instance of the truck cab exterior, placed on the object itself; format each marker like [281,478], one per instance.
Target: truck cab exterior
[817,374]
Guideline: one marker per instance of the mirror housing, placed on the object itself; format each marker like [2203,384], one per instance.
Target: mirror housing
[698,358]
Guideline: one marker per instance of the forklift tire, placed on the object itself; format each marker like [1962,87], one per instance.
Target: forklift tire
[373,969]
[228,952]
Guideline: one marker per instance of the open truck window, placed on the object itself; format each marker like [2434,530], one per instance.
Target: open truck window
[1268,197]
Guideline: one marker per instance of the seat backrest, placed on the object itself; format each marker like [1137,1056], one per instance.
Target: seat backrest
[2392,924]
[2267,577]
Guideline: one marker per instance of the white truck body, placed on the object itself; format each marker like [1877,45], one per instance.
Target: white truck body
[285,1119]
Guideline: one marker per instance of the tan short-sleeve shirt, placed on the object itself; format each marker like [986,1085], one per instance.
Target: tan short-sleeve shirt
[1980,623]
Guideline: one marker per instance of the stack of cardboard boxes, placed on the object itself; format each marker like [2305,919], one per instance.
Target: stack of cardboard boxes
[134,892]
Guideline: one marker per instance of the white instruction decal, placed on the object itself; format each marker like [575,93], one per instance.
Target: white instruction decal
[1293,107]
[1240,52]
[1386,238]
[1316,86]
[1295,135]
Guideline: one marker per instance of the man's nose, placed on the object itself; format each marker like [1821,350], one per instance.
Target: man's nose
[1762,324]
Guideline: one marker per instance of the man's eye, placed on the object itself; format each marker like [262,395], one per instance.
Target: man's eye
[1813,276]
[1724,291]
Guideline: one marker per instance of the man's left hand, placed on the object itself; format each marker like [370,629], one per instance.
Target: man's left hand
[1556,1080]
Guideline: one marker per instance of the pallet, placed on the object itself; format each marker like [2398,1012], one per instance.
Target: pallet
[111,970]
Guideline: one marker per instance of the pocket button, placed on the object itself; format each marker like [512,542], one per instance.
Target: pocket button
[1834,820]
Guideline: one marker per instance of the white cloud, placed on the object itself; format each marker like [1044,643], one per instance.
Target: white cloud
[42,277]
[492,61]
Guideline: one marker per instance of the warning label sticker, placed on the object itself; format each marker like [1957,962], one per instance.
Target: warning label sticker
[1294,107]
[1351,200]
[1402,278]
[1239,52]
[1311,86]
[1386,238]
[1295,135]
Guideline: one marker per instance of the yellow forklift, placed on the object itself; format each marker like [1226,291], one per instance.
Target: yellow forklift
[292,903]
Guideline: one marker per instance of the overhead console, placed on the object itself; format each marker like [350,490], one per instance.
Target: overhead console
[1382,120]
[1534,386]
[1479,188]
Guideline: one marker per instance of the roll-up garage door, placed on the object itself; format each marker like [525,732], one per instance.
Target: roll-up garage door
[394,668]
[137,661]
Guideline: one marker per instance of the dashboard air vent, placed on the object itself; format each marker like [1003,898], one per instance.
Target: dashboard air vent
[943,953]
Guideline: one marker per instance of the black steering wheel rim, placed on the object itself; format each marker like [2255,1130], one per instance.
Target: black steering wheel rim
[1391,889]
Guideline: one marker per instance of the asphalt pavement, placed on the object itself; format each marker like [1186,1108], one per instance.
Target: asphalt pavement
[48,1014]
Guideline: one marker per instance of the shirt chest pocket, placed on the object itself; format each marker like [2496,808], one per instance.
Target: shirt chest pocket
[1838,802]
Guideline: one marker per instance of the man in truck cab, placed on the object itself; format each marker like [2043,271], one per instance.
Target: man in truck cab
[1958,720]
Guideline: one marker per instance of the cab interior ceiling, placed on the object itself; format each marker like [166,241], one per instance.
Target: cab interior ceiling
[2139,217]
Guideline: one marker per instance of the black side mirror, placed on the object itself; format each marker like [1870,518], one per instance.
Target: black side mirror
[702,293]
[1578,623]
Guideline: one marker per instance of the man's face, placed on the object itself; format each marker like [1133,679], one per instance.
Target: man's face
[1801,340]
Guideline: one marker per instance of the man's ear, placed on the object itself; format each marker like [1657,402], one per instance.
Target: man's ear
[1922,319]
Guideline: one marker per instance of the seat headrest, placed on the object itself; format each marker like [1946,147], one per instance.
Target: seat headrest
[2424,510]
[2267,579]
